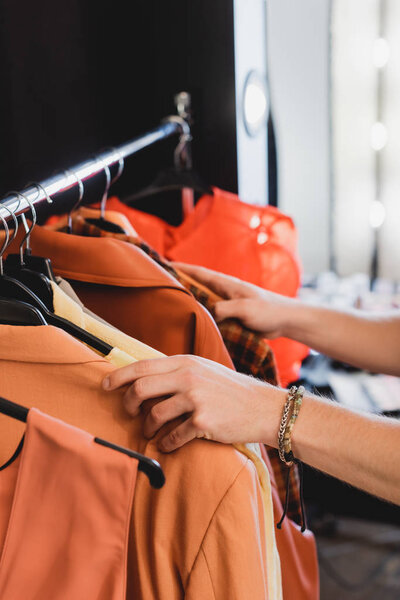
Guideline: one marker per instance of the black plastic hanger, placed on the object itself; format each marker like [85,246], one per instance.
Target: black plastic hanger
[38,264]
[19,289]
[33,271]
[150,467]
[38,283]
[14,312]
[179,177]
[171,179]
[105,225]
[102,222]
[13,289]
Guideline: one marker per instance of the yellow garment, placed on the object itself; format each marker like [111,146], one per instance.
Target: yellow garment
[94,213]
[110,215]
[252,451]
[127,350]
[68,309]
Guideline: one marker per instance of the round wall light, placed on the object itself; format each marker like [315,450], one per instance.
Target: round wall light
[255,103]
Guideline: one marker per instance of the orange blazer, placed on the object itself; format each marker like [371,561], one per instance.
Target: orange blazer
[132,293]
[255,243]
[202,535]
[117,281]
[65,513]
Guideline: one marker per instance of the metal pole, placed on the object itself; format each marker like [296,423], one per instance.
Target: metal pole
[60,183]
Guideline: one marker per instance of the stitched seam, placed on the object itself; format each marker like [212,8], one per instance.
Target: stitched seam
[213,515]
[62,362]
[131,282]
[127,529]
[209,572]
[16,499]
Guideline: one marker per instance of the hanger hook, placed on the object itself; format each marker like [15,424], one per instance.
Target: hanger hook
[108,184]
[121,164]
[12,213]
[7,229]
[81,189]
[28,230]
[180,154]
[39,188]
[4,247]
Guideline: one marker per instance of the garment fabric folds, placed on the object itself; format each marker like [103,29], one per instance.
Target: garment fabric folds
[65,511]
[178,547]
[66,307]
[255,243]
[125,287]
[249,351]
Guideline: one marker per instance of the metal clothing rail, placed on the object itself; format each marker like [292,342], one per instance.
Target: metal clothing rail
[63,182]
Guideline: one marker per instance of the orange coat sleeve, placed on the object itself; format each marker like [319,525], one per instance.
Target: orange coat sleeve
[237,572]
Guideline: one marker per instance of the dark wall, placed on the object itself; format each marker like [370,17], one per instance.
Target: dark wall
[80,75]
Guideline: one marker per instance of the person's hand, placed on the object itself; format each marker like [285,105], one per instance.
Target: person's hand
[256,308]
[220,404]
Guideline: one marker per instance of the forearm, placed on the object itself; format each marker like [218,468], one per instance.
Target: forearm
[363,450]
[367,341]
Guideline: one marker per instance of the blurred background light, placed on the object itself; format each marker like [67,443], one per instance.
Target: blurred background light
[379,136]
[255,103]
[380,53]
[377,214]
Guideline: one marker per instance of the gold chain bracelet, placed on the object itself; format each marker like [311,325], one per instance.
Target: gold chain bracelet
[292,407]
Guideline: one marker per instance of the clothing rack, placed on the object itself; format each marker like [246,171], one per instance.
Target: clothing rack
[57,185]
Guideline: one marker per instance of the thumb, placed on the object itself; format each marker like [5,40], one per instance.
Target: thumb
[229,309]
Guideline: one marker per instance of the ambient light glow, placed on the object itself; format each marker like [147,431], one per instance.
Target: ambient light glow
[377,214]
[255,103]
[379,136]
[380,53]
[365,77]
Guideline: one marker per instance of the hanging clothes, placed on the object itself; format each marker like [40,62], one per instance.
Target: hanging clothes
[254,243]
[118,282]
[74,311]
[219,230]
[65,306]
[252,356]
[249,351]
[178,547]
[65,511]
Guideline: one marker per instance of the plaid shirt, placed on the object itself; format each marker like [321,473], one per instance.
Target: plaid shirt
[249,351]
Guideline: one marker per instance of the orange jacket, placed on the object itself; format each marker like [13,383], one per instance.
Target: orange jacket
[140,298]
[255,243]
[200,537]
[65,515]
[132,293]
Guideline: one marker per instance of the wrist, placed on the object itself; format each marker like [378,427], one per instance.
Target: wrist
[272,402]
[296,319]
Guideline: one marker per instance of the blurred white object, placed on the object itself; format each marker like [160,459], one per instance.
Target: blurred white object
[380,53]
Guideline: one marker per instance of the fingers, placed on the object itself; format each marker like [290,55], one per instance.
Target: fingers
[224,285]
[229,309]
[152,386]
[165,411]
[142,368]
[183,434]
